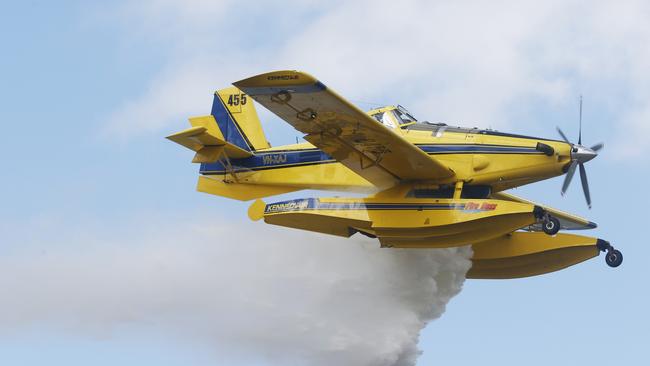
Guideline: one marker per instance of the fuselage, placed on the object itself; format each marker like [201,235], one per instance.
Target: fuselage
[478,157]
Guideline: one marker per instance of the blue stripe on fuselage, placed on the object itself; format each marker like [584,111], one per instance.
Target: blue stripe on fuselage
[267,160]
[288,158]
[465,148]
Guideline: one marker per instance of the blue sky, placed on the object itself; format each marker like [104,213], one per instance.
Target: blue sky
[89,91]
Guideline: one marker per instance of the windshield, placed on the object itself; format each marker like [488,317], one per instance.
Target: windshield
[404,116]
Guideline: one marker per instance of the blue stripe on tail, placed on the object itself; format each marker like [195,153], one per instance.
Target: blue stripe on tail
[227,125]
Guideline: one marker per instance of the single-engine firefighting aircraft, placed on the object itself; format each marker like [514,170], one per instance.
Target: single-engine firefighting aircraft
[431,185]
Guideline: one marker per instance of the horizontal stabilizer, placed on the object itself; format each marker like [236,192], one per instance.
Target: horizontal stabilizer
[205,138]
[237,191]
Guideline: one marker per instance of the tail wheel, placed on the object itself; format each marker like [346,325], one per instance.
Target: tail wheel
[614,258]
[551,226]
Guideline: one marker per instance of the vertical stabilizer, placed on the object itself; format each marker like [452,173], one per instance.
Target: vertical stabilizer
[235,113]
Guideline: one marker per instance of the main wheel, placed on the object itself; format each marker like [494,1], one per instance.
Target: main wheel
[614,258]
[551,226]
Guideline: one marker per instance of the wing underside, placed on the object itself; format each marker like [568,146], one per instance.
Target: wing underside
[567,221]
[342,130]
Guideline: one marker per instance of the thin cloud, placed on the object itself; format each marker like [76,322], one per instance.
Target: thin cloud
[462,62]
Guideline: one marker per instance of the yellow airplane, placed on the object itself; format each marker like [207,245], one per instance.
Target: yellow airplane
[429,185]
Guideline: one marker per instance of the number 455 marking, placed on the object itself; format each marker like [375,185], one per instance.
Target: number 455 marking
[237,99]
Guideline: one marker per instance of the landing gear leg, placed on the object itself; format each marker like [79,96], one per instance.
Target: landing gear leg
[613,258]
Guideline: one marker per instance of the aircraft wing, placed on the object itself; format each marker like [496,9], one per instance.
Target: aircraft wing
[342,130]
[567,220]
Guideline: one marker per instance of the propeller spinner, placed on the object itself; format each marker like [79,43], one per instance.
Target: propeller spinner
[579,155]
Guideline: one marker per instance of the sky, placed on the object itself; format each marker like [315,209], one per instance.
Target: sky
[109,256]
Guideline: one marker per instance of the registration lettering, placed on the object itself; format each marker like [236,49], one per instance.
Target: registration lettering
[272,159]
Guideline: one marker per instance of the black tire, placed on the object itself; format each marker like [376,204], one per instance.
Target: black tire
[614,258]
[551,226]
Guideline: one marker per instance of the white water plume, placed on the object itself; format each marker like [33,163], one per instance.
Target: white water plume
[246,291]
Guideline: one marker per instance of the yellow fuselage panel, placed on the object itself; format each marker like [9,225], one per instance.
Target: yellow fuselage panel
[498,161]
[325,176]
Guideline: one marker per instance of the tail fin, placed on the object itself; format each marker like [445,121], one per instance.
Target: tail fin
[232,129]
[235,114]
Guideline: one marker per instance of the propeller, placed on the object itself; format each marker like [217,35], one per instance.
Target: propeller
[579,155]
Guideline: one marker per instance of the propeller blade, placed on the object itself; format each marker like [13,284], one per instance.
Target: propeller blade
[597,147]
[563,135]
[580,129]
[569,176]
[585,184]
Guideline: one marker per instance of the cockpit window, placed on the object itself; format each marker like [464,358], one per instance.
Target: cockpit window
[403,116]
[394,116]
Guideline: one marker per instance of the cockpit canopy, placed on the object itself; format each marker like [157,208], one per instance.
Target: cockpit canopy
[400,118]
[392,116]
